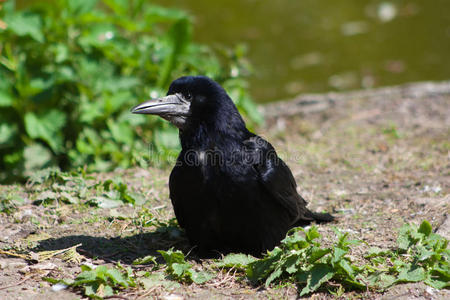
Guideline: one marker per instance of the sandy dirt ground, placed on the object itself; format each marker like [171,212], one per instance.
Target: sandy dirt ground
[375,159]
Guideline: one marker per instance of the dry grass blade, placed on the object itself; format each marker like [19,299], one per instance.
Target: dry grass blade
[69,254]
[10,253]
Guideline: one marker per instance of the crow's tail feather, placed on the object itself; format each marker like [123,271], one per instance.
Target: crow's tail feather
[310,216]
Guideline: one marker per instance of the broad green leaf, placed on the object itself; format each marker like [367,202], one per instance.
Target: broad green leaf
[375,251]
[425,228]
[412,275]
[424,253]
[118,6]
[318,275]
[118,100]
[61,52]
[107,291]
[85,277]
[152,280]
[439,277]
[236,260]
[121,132]
[179,269]
[158,279]
[403,239]
[46,127]
[99,36]
[302,276]
[7,133]
[172,257]
[101,272]
[438,284]
[295,241]
[117,85]
[260,269]
[77,7]
[442,271]
[201,277]
[6,99]
[86,268]
[345,265]
[25,23]
[317,253]
[117,277]
[36,157]
[274,275]
[8,7]
[105,202]
[291,263]
[338,253]
[145,260]
[91,110]
[156,13]
[381,280]
[312,234]
[91,290]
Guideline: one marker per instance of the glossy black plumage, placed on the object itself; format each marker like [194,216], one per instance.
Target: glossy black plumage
[229,189]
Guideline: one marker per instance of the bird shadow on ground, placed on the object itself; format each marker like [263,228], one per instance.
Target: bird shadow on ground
[123,249]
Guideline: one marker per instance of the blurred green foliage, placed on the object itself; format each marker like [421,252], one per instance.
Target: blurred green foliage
[70,71]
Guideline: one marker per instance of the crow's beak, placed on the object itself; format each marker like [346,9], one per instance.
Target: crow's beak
[170,105]
[174,108]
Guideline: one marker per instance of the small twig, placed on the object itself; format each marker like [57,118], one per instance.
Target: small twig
[116,297]
[146,293]
[226,278]
[16,284]
[158,207]
[190,250]
[125,226]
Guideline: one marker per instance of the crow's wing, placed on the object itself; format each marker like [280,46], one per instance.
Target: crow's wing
[276,177]
[175,195]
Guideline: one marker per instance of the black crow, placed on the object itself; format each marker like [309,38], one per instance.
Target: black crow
[229,189]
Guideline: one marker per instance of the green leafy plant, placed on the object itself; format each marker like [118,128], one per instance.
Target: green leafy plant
[101,281]
[71,69]
[182,271]
[236,260]
[75,187]
[145,260]
[302,259]
[113,193]
[421,256]
[10,202]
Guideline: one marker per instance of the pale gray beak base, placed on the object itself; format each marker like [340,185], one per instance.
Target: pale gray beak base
[174,108]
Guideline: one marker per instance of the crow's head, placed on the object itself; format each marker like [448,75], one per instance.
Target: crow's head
[192,101]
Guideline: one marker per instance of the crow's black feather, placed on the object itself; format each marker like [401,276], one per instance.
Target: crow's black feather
[229,189]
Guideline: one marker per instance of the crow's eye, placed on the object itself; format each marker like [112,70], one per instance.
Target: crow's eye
[188,96]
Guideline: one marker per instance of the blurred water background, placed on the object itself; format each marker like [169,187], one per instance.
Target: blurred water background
[298,46]
[302,46]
